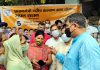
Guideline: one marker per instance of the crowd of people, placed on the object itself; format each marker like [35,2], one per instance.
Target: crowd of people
[64,45]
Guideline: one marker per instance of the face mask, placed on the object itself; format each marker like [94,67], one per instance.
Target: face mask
[55,33]
[24,47]
[67,32]
[65,38]
[38,42]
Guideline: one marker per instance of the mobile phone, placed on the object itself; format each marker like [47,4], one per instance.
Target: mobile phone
[41,62]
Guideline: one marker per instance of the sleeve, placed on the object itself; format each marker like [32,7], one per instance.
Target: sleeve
[53,66]
[88,57]
[60,57]
[84,57]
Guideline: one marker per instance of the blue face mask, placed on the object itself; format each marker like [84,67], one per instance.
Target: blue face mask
[65,38]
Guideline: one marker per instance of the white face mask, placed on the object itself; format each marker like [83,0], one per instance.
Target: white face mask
[65,38]
[55,33]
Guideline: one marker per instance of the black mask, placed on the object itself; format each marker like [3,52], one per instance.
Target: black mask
[67,32]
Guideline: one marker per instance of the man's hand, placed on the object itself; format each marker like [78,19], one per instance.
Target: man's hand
[53,51]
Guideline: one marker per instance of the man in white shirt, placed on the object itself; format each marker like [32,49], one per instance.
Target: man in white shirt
[91,29]
[56,42]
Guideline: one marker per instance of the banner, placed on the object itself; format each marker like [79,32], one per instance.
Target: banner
[29,16]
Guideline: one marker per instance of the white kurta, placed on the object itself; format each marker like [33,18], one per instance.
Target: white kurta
[61,47]
[91,29]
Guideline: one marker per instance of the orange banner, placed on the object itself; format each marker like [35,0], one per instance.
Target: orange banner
[28,16]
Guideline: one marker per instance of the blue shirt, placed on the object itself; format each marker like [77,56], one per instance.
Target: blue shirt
[84,54]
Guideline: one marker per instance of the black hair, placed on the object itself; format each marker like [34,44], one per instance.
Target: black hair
[41,23]
[39,32]
[25,37]
[47,20]
[78,18]
[3,24]
[19,28]
[58,21]
[25,30]
[64,26]
[12,35]
[31,29]
[14,27]
[8,27]
[53,26]
[1,36]
[35,30]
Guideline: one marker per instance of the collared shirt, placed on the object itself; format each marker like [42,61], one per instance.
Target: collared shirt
[61,47]
[84,54]
[94,32]
[53,43]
